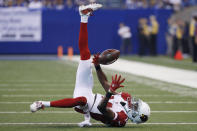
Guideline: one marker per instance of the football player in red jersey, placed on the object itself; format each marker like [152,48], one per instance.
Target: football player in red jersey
[113,109]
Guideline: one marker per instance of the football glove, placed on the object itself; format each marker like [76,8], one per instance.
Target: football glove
[116,83]
[96,59]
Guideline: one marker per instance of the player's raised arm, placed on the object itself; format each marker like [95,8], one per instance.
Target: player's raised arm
[102,107]
[100,74]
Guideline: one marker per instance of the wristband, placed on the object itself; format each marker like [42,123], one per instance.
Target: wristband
[84,19]
[108,95]
[98,67]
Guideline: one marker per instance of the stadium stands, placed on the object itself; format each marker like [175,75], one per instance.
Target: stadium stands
[108,4]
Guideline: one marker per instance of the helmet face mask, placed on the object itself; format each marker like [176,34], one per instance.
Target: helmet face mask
[135,105]
[137,110]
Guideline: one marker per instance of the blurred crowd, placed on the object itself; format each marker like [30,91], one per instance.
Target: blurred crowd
[124,4]
[46,4]
[147,34]
[182,36]
[157,4]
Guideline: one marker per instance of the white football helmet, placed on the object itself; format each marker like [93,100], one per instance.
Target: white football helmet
[138,112]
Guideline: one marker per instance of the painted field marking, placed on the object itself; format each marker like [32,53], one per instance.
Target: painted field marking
[37,84]
[51,123]
[43,112]
[172,102]
[71,112]
[151,102]
[37,95]
[66,95]
[173,111]
[66,89]
[58,89]
[16,102]
[43,81]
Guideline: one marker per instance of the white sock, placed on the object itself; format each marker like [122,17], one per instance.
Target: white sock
[46,103]
[87,116]
[84,18]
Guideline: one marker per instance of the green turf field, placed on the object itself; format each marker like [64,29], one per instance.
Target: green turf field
[173,107]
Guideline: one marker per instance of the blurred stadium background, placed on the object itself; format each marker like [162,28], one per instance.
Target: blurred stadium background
[37,35]
[47,24]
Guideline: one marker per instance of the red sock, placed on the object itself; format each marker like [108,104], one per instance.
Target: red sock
[83,42]
[69,102]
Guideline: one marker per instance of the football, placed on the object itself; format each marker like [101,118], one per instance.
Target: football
[109,56]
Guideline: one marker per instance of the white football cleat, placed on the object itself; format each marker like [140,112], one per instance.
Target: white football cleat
[85,123]
[37,105]
[88,9]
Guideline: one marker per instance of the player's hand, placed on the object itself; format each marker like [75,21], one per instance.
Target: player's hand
[116,83]
[96,59]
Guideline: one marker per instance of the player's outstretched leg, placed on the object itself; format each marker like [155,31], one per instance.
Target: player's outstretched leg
[84,78]
[64,103]
[85,12]
[83,42]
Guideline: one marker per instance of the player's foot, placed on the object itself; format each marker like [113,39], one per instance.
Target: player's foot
[88,9]
[37,105]
[85,124]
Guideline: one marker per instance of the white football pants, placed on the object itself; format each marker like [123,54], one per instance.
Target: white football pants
[84,82]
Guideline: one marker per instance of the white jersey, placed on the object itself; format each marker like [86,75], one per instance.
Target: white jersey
[83,87]
[120,118]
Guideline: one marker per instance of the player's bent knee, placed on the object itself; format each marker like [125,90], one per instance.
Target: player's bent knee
[82,100]
[85,55]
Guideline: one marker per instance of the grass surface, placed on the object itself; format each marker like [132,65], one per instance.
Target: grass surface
[165,61]
[28,81]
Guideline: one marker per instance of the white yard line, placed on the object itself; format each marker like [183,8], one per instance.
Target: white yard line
[172,102]
[40,84]
[185,123]
[11,89]
[66,95]
[16,85]
[71,112]
[34,81]
[37,95]
[15,102]
[51,123]
[40,89]
[39,112]
[150,102]
[167,74]
[173,111]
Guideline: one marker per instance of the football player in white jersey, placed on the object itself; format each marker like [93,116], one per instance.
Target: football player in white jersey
[112,109]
